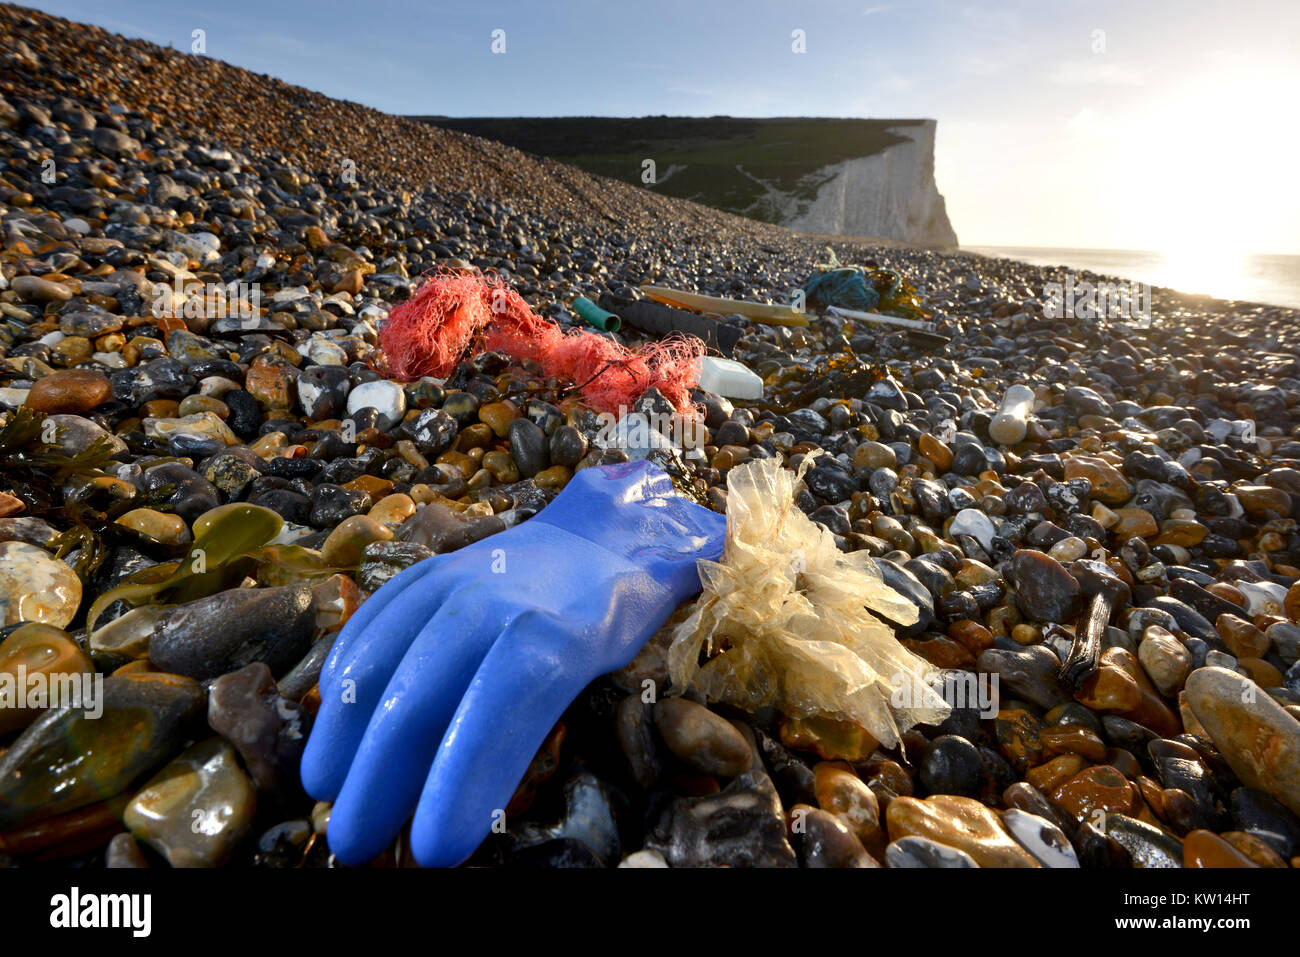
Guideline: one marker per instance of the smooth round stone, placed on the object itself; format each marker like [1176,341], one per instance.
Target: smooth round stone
[39,650]
[1045,591]
[75,434]
[1256,736]
[936,450]
[1051,774]
[842,793]
[73,391]
[502,466]
[462,406]
[951,766]
[197,809]
[1263,501]
[529,446]
[345,545]
[195,404]
[443,529]
[1149,846]
[1165,659]
[1202,848]
[923,852]
[36,586]
[1134,521]
[874,455]
[567,446]
[1040,837]
[701,739]
[393,510]
[160,527]
[1068,549]
[211,636]
[960,822]
[386,398]
[36,289]
[973,522]
[1242,638]
[70,756]
[1108,482]
[825,841]
[1098,788]
[555,477]
[498,416]
[1030,674]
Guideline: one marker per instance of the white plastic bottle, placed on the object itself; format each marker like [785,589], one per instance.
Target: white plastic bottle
[1009,425]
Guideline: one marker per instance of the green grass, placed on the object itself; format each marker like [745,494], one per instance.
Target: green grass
[722,156]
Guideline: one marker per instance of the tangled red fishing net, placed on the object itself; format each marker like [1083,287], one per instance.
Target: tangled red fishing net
[429,334]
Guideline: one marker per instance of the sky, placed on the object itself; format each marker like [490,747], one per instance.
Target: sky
[1109,124]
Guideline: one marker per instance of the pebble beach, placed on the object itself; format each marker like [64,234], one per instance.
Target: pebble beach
[195,265]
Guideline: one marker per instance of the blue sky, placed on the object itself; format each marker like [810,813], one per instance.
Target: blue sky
[1065,123]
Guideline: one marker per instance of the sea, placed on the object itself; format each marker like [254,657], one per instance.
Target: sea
[1271,279]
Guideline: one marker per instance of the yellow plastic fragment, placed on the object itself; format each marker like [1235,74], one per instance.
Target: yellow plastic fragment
[770,314]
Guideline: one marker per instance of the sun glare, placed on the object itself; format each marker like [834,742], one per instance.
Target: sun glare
[1202,267]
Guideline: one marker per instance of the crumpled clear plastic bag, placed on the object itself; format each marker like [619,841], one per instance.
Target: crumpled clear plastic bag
[785,619]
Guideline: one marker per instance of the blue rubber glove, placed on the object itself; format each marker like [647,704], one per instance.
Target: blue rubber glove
[443,685]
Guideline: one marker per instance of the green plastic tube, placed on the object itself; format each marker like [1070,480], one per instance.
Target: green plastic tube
[593,315]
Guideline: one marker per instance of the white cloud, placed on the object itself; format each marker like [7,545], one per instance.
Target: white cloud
[877,8]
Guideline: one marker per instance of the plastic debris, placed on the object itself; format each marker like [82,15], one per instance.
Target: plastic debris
[1012,421]
[593,315]
[590,579]
[659,320]
[862,288]
[454,311]
[729,378]
[846,287]
[875,317]
[786,620]
[771,314]
[635,435]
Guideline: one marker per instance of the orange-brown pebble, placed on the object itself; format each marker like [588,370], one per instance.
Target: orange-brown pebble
[1203,848]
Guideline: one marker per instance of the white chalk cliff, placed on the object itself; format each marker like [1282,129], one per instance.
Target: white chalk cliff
[891,194]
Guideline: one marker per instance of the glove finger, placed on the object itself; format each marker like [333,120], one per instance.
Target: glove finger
[518,693]
[351,692]
[383,783]
[387,595]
